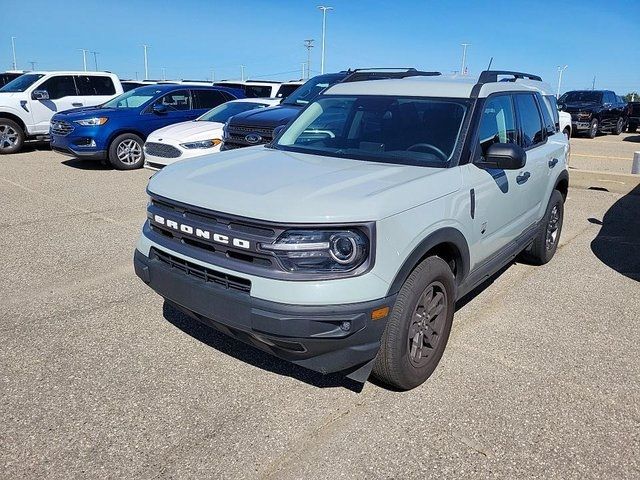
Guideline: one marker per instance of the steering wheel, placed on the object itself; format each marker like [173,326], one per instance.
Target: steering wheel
[417,146]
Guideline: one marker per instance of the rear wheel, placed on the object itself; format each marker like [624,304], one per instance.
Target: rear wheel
[545,244]
[11,136]
[619,128]
[593,128]
[125,152]
[417,332]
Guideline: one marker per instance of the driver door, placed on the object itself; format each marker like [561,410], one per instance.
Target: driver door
[63,95]
[175,107]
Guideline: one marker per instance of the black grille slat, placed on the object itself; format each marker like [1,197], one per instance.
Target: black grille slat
[203,273]
[60,127]
[161,150]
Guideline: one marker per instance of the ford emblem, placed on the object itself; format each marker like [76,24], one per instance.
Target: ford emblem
[253,138]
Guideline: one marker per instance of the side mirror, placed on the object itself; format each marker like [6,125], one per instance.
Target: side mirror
[159,108]
[504,156]
[40,95]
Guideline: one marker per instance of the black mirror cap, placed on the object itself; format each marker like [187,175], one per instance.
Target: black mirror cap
[505,156]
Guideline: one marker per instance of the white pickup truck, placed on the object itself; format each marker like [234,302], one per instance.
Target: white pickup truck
[28,102]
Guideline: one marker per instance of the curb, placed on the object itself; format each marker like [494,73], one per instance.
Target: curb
[625,183]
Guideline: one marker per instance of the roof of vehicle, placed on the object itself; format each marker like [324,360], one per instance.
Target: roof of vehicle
[249,82]
[264,100]
[453,86]
[70,72]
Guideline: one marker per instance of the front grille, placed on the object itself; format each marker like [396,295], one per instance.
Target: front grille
[203,273]
[60,127]
[237,136]
[161,150]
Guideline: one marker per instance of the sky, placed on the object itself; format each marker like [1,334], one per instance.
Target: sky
[194,39]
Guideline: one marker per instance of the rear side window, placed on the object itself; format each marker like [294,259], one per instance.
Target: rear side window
[207,99]
[59,87]
[498,124]
[95,85]
[549,114]
[531,129]
[257,91]
[175,101]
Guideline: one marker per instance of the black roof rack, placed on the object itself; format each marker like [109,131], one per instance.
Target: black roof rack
[491,76]
[363,74]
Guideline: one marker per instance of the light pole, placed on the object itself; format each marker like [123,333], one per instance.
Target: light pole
[308,45]
[213,76]
[146,63]
[242,72]
[163,74]
[324,31]
[13,48]
[33,65]
[95,59]
[560,72]
[463,70]
[84,57]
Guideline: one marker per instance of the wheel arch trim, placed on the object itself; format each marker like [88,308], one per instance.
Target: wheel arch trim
[446,236]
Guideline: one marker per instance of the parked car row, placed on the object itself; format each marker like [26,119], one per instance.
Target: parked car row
[595,111]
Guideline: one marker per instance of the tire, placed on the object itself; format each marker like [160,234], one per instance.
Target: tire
[545,244]
[619,128]
[593,128]
[11,137]
[125,152]
[415,336]
[631,128]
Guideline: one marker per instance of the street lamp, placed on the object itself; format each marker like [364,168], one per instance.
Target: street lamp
[324,30]
[84,57]
[463,70]
[146,63]
[560,72]
[13,47]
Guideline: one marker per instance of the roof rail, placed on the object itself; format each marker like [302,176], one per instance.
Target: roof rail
[489,76]
[363,74]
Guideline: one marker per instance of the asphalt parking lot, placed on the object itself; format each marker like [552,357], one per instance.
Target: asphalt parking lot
[541,377]
[611,153]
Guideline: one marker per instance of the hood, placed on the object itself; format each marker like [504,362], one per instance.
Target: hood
[97,111]
[580,106]
[188,131]
[266,117]
[273,185]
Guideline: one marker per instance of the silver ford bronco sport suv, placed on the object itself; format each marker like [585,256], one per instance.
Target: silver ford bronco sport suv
[343,245]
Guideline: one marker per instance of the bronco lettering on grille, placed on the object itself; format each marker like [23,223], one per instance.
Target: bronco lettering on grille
[200,233]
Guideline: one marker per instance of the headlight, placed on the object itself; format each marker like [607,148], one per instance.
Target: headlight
[92,122]
[202,144]
[317,251]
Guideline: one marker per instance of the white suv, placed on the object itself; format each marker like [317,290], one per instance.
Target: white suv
[28,102]
[344,244]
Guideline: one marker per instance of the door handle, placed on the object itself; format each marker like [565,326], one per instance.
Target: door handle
[522,178]
[76,104]
[553,163]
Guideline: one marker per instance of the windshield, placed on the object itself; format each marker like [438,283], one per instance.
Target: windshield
[309,91]
[21,83]
[584,96]
[402,130]
[223,112]
[133,98]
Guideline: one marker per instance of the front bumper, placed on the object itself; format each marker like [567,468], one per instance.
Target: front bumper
[314,337]
[66,145]
[579,125]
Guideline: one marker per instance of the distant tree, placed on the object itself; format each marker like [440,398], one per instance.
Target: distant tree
[632,97]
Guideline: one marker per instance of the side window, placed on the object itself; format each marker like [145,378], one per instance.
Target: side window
[257,91]
[175,101]
[497,124]
[531,130]
[59,87]
[95,85]
[549,113]
[609,97]
[207,98]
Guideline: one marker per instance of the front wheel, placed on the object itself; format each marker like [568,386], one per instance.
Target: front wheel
[545,244]
[11,136]
[417,332]
[593,128]
[125,152]
[619,128]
